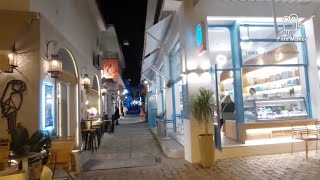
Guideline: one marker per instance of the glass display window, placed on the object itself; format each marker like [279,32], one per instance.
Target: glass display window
[277,109]
[226,87]
[220,47]
[272,84]
[271,53]
[265,31]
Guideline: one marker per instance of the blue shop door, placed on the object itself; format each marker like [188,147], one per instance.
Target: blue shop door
[216,124]
[152,109]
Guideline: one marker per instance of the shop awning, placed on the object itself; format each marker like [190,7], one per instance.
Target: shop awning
[146,71]
[155,35]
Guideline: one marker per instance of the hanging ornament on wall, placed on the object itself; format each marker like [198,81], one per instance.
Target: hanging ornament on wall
[11,101]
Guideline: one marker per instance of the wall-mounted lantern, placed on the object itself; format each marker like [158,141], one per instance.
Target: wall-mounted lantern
[13,62]
[85,77]
[12,59]
[103,91]
[55,64]
[86,81]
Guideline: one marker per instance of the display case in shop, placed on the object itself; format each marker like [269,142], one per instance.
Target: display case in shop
[275,109]
[283,84]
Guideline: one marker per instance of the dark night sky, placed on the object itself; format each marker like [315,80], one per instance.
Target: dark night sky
[128,17]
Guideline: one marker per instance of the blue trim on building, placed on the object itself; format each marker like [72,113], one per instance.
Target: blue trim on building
[162,95]
[152,111]
[237,79]
[225,26]
[273,65]
[259,25]
[306,71]
[173,95]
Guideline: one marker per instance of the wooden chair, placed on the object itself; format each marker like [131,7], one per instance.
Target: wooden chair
[303,132]
[19,176]
[4,152]
[61,156]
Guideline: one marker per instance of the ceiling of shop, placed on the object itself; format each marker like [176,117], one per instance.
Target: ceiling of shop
[128,18]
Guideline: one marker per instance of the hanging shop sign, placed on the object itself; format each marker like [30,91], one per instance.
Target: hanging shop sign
[201,37]
[110,68]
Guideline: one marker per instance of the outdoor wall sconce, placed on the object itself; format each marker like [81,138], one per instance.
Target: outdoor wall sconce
[13,60]
[55,64]
[86,81]
[85,77]
[103,91]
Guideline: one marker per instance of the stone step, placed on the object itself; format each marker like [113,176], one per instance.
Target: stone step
[169,146]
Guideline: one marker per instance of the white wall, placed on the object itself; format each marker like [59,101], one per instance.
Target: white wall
[73,19]
[75,28]
[313,45]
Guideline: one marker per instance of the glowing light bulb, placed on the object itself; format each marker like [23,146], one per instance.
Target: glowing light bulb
[10,56]
[279,56]
[221,60]
[54,63]
[260,62]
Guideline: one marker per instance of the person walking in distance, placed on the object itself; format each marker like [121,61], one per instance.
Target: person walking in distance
[125,110]
[117,115]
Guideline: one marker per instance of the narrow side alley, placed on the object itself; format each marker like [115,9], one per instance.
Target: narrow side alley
[131,152]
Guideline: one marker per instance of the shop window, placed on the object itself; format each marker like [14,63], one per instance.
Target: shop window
[257,32]
[274,92]
[271,53]
[48,106]
[220,47]
[176,65]
[225,79]
[265,32]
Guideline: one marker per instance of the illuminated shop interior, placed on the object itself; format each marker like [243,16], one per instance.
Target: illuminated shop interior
[250,52]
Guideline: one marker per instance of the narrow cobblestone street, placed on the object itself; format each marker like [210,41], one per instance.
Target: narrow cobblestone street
[132,138]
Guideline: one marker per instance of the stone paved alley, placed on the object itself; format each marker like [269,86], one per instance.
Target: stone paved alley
[133,139]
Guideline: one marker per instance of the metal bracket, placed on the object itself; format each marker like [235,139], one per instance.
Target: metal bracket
[159,72]
[153,37]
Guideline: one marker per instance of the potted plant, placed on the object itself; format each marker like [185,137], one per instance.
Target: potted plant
[202,109]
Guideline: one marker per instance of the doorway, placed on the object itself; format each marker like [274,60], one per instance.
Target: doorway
[63,109]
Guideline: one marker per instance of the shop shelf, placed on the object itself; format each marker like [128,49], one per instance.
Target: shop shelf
[273,82]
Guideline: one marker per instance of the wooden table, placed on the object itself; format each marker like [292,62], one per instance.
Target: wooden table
[90,120]
[24,160]
[8,170]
